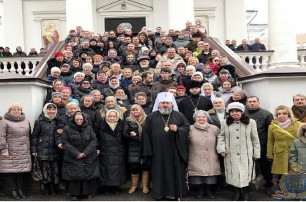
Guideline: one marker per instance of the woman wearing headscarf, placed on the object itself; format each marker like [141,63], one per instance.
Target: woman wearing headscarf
[112,156]
[43,146]
[80,165]
[238,143]
[113,85]
[15,160]
[203,161]
[132,133]
[111,103]
[281,133]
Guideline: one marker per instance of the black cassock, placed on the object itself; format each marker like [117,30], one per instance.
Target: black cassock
[168,151]
[187,106]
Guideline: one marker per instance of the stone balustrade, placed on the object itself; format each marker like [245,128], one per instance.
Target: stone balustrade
[19,65]
[259,60]
[302,57]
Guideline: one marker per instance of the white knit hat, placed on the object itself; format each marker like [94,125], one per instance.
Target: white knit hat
[55,69]
[235,105]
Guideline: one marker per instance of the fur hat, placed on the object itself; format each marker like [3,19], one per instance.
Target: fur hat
[190,67]
[194,84]
[235,105]
[15,105]
[55,69]
[57,54]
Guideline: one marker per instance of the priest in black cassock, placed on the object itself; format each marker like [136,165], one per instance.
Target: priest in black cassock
[194,101]
[165,144]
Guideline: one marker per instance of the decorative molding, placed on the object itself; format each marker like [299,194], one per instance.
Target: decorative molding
[46,15]
[122,5]
[209,12]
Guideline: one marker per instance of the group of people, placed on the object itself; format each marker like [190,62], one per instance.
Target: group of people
[145,109]
[5,52]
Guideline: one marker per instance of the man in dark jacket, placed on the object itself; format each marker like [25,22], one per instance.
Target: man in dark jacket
[194,101]
[263,119]
[144,86]
[205,54]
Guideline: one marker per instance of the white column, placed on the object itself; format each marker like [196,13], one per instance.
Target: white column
[235,23]
[282,32]
[13,29]
[81,13]
[173,13]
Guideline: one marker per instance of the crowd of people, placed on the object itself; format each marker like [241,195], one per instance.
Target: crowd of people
[152,107]
[5,52]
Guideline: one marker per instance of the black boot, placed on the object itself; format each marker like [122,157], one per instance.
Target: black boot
[53,189]
[45,189]
[237,194]
[199,191]
[208,191]
[21,194]
[15,195]
[246,193]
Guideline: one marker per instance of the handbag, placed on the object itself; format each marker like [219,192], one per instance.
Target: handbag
[36,172]
[259,180]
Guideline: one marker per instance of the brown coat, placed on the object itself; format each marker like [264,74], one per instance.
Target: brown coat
[14,138]
[203,156]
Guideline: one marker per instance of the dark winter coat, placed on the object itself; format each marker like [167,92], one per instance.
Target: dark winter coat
[133,142]
[96,84]
[80,140]
[43,139]
[53,63]
[112,156]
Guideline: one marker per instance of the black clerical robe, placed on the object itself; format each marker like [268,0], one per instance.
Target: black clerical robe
[168,152]
[187,106]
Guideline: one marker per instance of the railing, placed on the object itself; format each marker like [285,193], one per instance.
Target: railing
[259,60]
[34,66]
[19,65]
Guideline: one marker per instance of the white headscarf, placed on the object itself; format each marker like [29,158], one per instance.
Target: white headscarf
[165,97]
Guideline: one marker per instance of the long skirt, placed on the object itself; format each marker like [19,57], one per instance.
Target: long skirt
[82,187]
[49,171]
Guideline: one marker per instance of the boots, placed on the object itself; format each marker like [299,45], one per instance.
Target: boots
[45,189]
[15,195]
[208,191]
[145,181]
[199,194]
[53,189]
[237,194]
[134,183]
[21,194]
[246,193]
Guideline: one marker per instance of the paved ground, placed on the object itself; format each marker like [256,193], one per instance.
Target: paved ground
[224,195]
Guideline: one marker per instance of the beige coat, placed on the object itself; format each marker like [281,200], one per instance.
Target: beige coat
[241,143]
[14,138]
[203,157]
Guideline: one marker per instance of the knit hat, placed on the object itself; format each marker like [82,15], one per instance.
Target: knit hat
[78,73]
[235,105]
[144,48]
[241,92]
[57,54]
[197,73]
[56,94]
[191,67]
[181,87]
[87,64]
[15,105]
[55,69]
[144,57]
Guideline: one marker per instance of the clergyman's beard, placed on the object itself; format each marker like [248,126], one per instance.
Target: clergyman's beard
[165,110]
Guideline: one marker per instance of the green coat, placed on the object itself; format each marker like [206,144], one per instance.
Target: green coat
[298,150]
[279,144]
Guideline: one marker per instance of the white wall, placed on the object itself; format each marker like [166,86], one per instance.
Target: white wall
[273,92]
[30,95]
[34,12]
[215,9]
